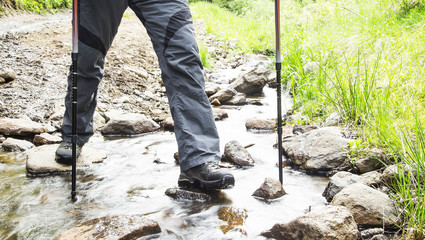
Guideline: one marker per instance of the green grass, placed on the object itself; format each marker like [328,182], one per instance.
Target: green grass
[35,6]
[371,57]
[252,35]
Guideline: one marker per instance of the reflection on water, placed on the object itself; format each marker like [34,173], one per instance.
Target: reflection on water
[131,181]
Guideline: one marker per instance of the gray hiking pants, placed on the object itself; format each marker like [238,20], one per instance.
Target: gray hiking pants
[169,25]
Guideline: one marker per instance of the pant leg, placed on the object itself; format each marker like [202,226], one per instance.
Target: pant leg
[99,21]
[169,25]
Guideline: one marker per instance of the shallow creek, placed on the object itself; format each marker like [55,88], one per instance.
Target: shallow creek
[129,182]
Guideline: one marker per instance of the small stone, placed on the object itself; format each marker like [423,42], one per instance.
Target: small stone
[270,189]
[369,233]
[8,74]
[215,102]
[46,138]
[223,95]
[235,153]
[168,123]
[219,114]
[260,124]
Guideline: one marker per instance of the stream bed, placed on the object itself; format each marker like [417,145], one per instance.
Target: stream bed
[130,181]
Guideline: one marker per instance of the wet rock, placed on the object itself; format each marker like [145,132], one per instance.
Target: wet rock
[370,233]
[41,160]
[238,99]
[235,153]
[234,217]
[16,145]
[372,178]
[301,129]
[129,124]
[8,74]
[223,95]
[186,195]
[339,181]
[369,207]
[260,124]
[333,120]
[112,227]
[211,88]
[46,138]
[2,80]
[219,114]
[270,189]
[322,149]
[251,82]
[329,223]
[168,123]
[374,159]
[22,127]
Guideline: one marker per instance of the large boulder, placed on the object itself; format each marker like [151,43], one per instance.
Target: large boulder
[339,181]
[323,149]
[329,223]
[370,207]
[129,124]
[16,145]
[21,127]
[41,160]
[112,227]
[235,153]
[251,82]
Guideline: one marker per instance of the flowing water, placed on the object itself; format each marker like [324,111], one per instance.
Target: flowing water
[130,182]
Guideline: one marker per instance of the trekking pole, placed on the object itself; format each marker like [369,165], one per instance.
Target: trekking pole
[74,56]
[278,88]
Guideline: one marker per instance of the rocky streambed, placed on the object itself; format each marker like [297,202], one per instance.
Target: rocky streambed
[128,174]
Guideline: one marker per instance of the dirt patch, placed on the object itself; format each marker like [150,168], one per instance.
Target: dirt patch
[39,53]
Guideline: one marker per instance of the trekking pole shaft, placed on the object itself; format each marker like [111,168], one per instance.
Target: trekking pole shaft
[74,56]
[74,124]
[278,89]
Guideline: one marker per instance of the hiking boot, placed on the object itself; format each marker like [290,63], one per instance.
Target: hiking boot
[64,152]
[207,175]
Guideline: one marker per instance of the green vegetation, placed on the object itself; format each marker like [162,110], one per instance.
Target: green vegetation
[369,58]
[36,6]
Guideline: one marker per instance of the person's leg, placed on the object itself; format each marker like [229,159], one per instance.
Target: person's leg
[169,25]
[98,24]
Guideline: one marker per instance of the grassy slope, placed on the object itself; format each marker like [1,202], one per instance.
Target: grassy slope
[371,56]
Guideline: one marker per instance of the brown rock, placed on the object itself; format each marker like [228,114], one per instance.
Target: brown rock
[330,223]
[22,127]
[270,189]
[234,217]
[112,227]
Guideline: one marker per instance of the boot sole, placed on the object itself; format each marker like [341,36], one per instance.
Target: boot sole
[224,183]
